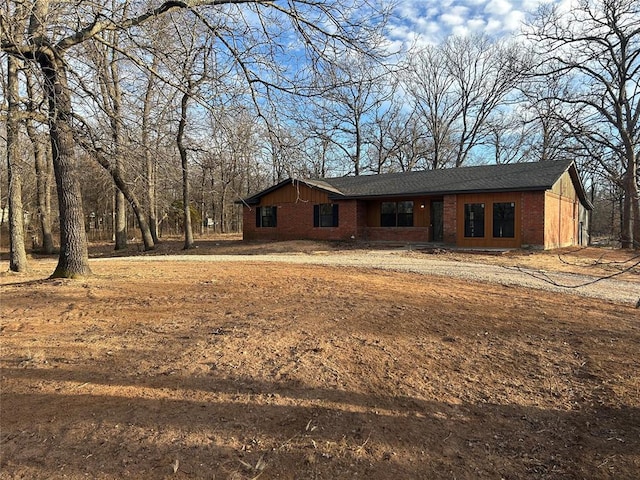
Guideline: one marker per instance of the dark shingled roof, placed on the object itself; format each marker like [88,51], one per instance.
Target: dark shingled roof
[531,176]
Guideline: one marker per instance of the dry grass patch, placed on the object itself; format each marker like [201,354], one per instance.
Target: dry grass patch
[202,370]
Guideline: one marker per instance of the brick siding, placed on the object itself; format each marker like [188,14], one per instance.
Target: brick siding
[295,221]
[450,221]
[533,219]
[397,234]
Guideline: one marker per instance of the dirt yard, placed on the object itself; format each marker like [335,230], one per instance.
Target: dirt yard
[244,370]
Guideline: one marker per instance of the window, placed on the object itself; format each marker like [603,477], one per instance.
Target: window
[396,214]
[405,214]
[266,216]
[474,219]
[504,220]
[388,214]
[325,215]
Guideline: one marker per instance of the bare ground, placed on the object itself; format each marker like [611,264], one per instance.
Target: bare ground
[238,370]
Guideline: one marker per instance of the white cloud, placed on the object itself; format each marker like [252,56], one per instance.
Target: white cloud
[532,5]
[431,21]
[455,16]
[460,30]
[452,19]
[407,10]
[477,24]
[498,7]
[493,25]
[514,19]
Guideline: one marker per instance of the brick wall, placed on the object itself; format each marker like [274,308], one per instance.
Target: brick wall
[249,231]
[295,222]
[533,219]
[397,234]
[361,216]
[450,221]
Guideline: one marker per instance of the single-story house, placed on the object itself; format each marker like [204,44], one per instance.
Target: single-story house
[539,205]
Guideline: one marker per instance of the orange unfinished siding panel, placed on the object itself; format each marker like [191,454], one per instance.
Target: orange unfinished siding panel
[561,222]
[488,200]
[294,193]
[561,214]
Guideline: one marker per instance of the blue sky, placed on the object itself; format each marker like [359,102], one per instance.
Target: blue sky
[429,21]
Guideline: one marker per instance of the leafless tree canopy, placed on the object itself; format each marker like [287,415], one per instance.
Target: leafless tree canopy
[155,116]
[595,49]
[255,43]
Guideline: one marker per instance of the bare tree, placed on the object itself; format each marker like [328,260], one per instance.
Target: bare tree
[234,158]
[193,55]
[54,29]
[105,60]
[150,160]
[457,87]
[507,136]
[107,144]
[43,166]
[354,90]
[484,74]
[35,46]
[435,100]
[596,46]
[17,252]
[548,119]
[396,140]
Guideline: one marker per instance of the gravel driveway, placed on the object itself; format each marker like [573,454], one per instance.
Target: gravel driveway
[617,291]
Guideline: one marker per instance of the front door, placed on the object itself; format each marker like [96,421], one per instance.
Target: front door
[437,207]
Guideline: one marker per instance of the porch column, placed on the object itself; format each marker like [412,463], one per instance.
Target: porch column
[450,220]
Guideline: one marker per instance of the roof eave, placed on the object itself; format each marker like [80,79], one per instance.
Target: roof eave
[255,199]
[433,193]
[577,183]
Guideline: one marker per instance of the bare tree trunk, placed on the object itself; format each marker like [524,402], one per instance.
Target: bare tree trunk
[634,193]
[116,126]
[120,220]
[151,197]
[358,144]
[630,213]
[188,232]
[630,234]
[73,260]
[42,159]
[17,252]
[203,204]
[43,188]
[636,217]
[149,162]
[130,196]
[223,215]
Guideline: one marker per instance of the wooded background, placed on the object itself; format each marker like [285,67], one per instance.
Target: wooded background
[165,113]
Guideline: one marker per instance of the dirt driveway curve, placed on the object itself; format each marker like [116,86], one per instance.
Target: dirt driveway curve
[612,289]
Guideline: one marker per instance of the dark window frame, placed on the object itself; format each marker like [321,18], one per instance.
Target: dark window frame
[405,213]
[474,220]
[504,220]
[397,214]
[267,216]
[326,215]
[388,213]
